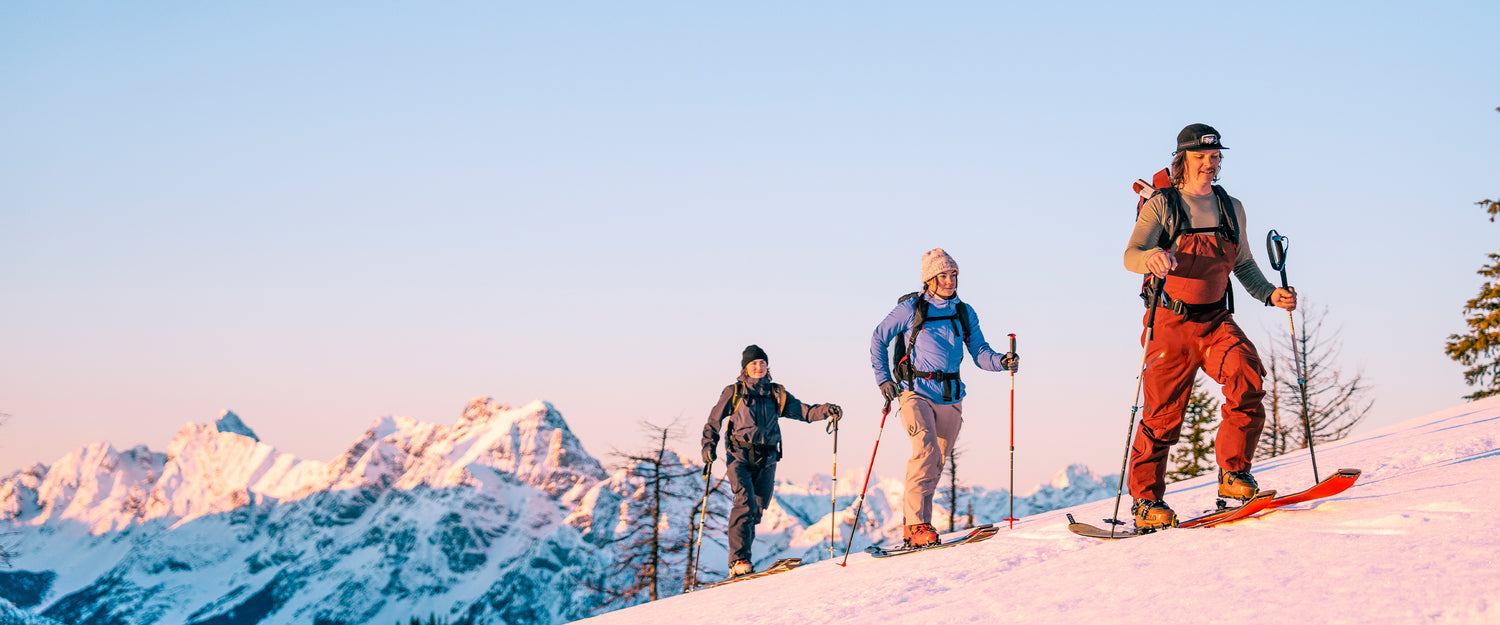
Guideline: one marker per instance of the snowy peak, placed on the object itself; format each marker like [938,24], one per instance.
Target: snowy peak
[531,443]
[213,468]
[18,493]
[210,470]
[96,485]
[1074,474]
[230,423]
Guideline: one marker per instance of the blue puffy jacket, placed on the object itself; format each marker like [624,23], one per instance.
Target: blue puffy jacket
[939,345]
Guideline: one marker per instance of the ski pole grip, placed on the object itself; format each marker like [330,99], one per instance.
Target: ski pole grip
[1153,298]
[1276,249]
[1012,343]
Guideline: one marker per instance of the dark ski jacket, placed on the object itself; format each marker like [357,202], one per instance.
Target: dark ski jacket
[755,421]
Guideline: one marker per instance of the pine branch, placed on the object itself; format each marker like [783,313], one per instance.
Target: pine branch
[1479,349]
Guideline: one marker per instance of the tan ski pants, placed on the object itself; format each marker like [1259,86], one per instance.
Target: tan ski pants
[933,428]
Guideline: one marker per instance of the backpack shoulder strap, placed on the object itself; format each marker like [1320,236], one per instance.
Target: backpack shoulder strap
[777,390]
[905,344]
[734,404]
[1231,222]
[1174,219]
[1227,216]
[963,320]
[918,319]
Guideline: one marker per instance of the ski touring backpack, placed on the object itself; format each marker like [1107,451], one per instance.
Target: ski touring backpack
[1177,222]
[756,451]
[906,343]
[777,391]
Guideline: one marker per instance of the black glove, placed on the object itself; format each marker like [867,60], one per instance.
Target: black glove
[1011,362]
[710,453]
[890,390]
[834,414]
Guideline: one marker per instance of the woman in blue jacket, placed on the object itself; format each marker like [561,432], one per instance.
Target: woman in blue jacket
[925,380]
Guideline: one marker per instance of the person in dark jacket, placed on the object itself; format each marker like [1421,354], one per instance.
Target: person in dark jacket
[754,406]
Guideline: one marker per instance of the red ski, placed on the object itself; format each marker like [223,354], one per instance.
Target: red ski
[1330,486]
[1334,484]
[1256,504]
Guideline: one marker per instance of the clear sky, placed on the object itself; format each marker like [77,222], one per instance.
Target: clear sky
[316,215]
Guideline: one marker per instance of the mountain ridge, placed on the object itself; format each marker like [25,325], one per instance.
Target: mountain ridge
[502,512]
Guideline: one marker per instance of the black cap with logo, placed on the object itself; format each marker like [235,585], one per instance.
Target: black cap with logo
[1199,137]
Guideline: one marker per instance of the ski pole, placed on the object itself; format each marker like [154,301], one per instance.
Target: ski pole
[1276,246]
[833,492]
[1012,518]
[702,522]
[859,507]
[1153,294]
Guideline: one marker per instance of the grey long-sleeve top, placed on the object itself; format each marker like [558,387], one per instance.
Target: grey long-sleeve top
[1203,212]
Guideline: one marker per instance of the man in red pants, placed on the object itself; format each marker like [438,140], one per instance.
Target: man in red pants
[1192,236]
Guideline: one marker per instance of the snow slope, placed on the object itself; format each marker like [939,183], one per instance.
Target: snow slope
[1407,544]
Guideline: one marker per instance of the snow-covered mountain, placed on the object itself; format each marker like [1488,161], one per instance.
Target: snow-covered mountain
[12,615]
[501,517]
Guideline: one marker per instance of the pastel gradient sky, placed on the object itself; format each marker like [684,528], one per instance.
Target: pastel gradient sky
[318,214]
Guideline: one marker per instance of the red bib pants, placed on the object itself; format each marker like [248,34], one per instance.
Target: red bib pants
[1183,344]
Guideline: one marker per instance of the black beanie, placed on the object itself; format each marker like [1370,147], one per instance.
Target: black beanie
[753,353]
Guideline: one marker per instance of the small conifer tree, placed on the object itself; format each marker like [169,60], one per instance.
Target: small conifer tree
[650,543]
[1479,348]
[1331,400]
[1194,454]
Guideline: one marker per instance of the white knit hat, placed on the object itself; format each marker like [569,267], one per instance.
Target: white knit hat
[936,261]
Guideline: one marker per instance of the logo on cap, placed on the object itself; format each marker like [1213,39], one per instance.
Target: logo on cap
[1208,140]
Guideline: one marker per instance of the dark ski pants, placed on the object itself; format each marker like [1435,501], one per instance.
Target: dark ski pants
[752,478]
[1180,347]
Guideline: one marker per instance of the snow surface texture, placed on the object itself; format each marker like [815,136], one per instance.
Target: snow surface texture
[1409,543]
[499,517]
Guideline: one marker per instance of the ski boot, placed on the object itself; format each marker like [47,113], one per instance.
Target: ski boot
[920,535]
[1151,515]
[741,567]
[1237,485]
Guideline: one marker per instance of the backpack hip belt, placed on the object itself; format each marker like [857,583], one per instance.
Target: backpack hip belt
[757,451]
[1183,309]
[948,380]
